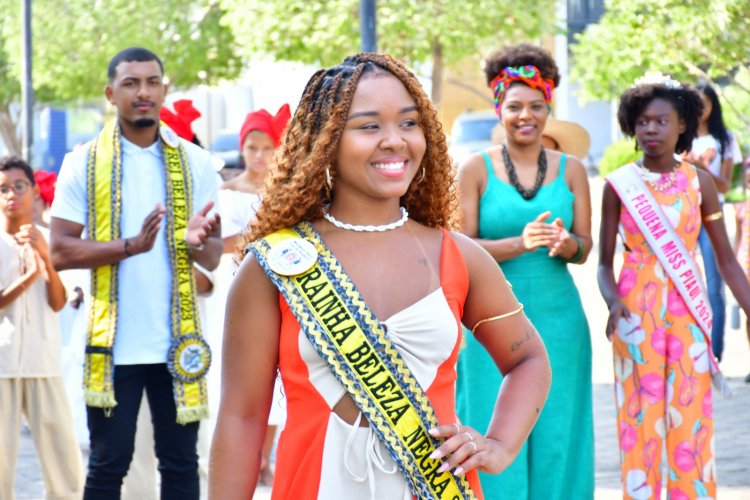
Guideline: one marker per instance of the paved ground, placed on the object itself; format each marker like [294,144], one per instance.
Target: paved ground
[731,415]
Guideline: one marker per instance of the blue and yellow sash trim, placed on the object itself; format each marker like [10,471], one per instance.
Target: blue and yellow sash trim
[104,212]
[349,337]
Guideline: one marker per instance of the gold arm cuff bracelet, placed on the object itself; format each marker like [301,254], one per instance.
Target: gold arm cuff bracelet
[499,316]
[714,216]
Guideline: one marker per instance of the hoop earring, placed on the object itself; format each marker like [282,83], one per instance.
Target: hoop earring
[329,182]
[421,175]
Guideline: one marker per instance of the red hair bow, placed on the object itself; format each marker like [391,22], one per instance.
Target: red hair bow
[46,182]
[181,120]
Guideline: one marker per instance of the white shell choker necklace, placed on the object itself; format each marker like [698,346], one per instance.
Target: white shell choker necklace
[366,229]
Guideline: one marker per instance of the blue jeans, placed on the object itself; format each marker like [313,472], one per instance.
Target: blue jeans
[112,437]
[715,286]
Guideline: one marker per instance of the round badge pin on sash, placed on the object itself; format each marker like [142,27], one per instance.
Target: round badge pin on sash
[292,257]
[169,136]
[189,358]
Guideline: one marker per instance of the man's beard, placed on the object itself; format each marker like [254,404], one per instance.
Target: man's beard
[144,122]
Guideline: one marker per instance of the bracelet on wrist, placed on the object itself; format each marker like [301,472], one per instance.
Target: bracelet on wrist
[127,248]
[579,253]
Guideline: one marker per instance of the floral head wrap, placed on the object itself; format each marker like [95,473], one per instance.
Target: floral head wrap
[528,75]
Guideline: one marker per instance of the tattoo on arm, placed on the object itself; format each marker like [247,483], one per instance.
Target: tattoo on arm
[423,261]
[518,343]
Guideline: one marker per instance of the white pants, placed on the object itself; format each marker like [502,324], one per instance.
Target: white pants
[43,403]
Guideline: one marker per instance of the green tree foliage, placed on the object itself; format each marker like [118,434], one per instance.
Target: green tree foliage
[690,39]
[618,154]
[74,40]
[440,31]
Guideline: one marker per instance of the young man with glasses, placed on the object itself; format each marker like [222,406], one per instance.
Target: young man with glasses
[30,373]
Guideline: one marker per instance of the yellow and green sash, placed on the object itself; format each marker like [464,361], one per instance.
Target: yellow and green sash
[189,356]
[349,337]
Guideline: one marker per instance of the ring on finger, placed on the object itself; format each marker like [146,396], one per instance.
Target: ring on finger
[470,439]
[458,428]
[474,445]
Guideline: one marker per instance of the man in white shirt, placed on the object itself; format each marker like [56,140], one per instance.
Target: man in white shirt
[30,374]
[138,336]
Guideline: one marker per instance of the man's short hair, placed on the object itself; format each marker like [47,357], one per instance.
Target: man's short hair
[13,161]
[137,54]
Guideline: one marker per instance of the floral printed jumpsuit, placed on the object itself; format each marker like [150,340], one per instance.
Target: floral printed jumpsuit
[662,377]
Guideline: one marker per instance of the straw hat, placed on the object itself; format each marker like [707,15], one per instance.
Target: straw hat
[571,137]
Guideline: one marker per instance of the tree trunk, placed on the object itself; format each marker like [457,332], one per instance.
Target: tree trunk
[8,131]
[437,74]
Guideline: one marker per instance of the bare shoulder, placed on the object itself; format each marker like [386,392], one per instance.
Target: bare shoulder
[473,167]
[474,255]
[250,278]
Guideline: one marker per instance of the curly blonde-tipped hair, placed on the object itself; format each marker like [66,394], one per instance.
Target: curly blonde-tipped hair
[296,185]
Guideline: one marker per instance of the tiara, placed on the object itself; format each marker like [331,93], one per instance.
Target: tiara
[656,78]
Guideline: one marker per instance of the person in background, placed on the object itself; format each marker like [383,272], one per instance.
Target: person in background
[711,151]
[529,207]
[144,196]
[659,321]
[362,193]
[31,383]
[239,198]
[742,234]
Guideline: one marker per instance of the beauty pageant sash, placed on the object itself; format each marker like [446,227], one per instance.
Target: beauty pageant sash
[189,356]
[669,249]
[349,337]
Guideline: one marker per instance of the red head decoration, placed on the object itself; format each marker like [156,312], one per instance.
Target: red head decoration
[181,119]
[263,121]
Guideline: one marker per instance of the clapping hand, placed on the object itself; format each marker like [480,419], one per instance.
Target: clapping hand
[145,239]
[562,237]
[539,233]
[201,227]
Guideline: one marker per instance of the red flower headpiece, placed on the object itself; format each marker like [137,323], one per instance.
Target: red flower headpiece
[262,120]
[46,182]
[181,120]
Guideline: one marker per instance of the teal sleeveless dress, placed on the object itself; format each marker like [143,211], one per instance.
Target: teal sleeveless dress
[557,461]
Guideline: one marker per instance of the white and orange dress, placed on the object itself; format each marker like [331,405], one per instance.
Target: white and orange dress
[320,456]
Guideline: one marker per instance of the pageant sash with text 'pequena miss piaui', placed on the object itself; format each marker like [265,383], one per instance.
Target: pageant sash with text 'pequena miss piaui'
[671,253]
[349,337]
[189,356]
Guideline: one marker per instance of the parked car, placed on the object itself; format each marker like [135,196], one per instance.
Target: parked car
[225,150]
[471,132]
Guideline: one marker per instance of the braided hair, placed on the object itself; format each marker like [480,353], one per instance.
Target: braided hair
[296,185]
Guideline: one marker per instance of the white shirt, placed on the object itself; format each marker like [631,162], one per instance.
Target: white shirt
[143,332]
[703,143]
[29,328]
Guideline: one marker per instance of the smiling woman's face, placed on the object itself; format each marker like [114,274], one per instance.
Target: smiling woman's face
[523,114]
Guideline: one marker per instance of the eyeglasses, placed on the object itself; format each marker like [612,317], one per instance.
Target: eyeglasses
[19,187]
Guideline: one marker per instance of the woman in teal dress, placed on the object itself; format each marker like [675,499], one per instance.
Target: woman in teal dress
[530,208]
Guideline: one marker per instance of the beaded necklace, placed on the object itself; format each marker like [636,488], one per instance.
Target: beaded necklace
[660,181]
[526,194]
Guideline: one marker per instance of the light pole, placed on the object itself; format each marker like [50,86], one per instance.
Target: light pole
[367,28]
[27,91]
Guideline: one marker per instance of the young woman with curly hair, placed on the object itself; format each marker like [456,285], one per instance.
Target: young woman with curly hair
[529,207]
[659,314]
[365,184]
